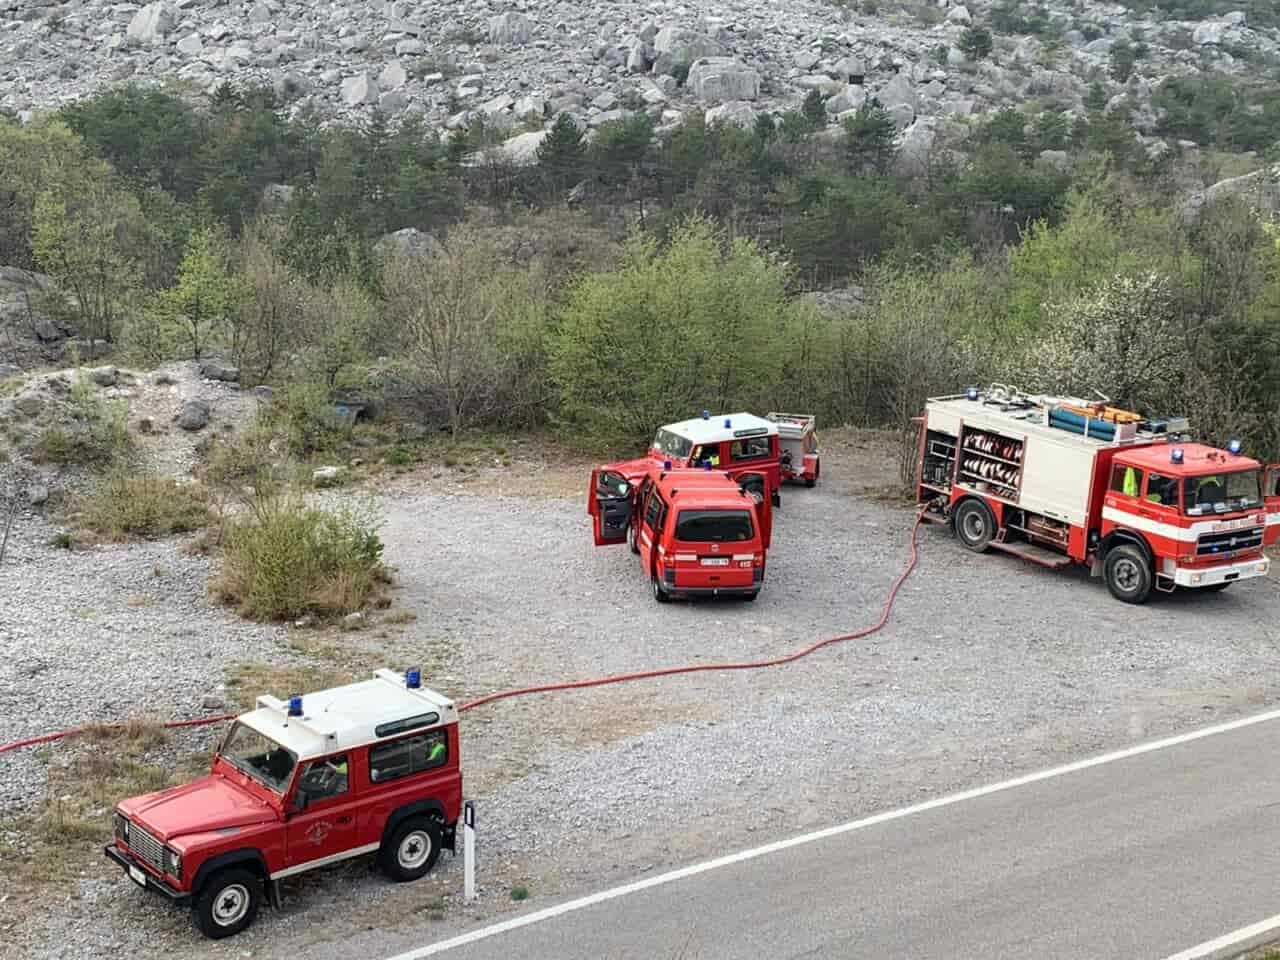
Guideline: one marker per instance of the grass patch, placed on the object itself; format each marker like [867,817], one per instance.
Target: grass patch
[60,840]
[96,433]
[288,560]
[400,617]
[124,505]
[519,893]
[247,681]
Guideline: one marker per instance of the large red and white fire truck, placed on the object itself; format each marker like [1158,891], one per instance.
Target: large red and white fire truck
[1059,481]
[736,443]
[370,767]
[697,532]
[798,435]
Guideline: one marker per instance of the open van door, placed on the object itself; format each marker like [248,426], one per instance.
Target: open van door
[1271,496]
[757,486]
[609,505]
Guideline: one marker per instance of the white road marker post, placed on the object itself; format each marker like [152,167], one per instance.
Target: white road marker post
[469,850]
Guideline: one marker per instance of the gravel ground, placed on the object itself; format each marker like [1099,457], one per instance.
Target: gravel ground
[988,667]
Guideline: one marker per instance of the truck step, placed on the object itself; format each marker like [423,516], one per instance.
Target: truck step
[1038,555]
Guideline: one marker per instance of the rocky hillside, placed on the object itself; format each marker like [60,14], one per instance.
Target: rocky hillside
[519,63]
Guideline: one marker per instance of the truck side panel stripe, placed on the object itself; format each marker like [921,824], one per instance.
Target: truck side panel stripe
[325,861]
[1167,530]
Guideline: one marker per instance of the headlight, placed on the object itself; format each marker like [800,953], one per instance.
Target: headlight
[122,826]
[173,862]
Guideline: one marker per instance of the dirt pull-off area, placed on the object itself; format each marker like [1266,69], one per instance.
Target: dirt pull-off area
[987,667]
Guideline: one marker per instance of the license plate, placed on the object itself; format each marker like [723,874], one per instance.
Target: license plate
[715,561]
[139,877]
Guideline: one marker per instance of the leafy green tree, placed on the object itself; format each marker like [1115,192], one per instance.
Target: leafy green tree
[670,331]
[868,139]
[196,307]
[1051,130]
[1095,100]
[620,147]
[1124,56]
[88,243]
[976,43]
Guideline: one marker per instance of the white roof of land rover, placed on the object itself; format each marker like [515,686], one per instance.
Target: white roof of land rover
[350,715]
[713,430]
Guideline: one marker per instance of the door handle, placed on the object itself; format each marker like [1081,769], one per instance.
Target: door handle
[344,819]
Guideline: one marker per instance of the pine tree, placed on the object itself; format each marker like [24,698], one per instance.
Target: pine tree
[561,153]
[976,43]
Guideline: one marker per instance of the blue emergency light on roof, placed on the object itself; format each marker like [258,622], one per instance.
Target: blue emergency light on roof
[666,464]
[706,464]
[1175,455]
[706,414]
[295,706]
[727,424]
[972,393]
[1234,447]
[413,678]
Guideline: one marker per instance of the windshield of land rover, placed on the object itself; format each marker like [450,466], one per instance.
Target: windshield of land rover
[258,756]
[714,526]
[673,446]
[1221,493]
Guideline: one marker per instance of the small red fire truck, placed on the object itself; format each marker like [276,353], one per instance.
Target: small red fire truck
[697,532]
[370,767]
[737,443]
[799,438]
[1060,481]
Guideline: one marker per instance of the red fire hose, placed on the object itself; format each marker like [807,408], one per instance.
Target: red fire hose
[596,682]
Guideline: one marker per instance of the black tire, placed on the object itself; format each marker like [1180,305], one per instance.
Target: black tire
[632,542]
[975,525]
[750,596]
[658,593]
[1128,573]
[411,849]
[227,903]
[811,482]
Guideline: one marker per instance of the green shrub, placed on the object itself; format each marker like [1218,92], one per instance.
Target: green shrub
[290,559]
[125,504]
[96,434]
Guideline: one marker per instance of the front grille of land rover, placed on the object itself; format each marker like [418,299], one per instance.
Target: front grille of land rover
[146,846]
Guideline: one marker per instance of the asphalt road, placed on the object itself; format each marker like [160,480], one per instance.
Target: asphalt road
[1141,857]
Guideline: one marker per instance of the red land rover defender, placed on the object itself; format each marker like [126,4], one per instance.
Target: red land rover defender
[736,443]
[697,532]
[364,768]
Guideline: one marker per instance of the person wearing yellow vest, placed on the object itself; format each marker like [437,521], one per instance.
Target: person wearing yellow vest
[1130,482]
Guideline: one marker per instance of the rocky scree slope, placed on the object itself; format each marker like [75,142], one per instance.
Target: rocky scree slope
[519,64]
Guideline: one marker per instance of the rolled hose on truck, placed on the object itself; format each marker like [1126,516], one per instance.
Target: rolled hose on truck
[581,684]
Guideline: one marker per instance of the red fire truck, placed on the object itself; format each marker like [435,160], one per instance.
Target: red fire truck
[697,532]
[370,767]
[799,439]
[1059,481]
[736,443]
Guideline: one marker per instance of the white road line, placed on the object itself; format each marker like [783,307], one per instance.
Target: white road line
[1234,943]
[693,870]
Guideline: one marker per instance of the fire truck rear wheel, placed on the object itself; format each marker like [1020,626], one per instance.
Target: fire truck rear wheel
[658,593]
[228,903]
[975,525]
[631,539]
[411,850]
[1128,574]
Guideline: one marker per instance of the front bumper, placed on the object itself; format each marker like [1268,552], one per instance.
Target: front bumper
[149,881]
[1227,573]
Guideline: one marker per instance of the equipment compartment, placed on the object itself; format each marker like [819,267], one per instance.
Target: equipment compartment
[991,462]
[939,460]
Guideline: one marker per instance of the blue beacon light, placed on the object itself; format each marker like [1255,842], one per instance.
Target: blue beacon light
[295,706]
[972,393]
[706,414]
[413,678]
[1234,447]
[1175,455]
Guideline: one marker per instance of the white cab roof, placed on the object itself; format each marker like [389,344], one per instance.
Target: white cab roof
[713,430]
[348,716]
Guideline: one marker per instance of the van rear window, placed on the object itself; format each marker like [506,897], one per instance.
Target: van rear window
[714,526]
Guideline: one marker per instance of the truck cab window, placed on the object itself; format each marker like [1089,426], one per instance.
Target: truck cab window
[1126,480]
[1162,490]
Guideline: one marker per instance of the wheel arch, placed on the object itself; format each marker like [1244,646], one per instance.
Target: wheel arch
[1121,536]
[249,858]
[420,808]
